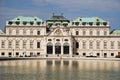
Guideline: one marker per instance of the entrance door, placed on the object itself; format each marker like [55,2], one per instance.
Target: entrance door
[57,48]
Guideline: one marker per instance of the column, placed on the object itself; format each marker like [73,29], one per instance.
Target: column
[53,48]
[62,49]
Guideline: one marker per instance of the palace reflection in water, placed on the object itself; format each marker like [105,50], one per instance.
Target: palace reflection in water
[59,70]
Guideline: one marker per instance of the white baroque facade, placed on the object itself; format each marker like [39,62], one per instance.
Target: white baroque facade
[59,37]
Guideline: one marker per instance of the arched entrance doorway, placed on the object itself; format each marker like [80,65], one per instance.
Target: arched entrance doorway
[57,48]
[49,48]
[65,48]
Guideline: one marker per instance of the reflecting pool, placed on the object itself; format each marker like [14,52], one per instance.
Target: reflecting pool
[59,70]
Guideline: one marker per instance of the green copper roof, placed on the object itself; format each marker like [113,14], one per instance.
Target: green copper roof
[115,32]
[26,19]
[58,18]
[88,19]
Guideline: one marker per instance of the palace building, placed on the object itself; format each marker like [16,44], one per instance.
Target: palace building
[59,37]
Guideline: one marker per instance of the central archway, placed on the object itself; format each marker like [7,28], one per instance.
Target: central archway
[57,48]
[49,48]
[65,48]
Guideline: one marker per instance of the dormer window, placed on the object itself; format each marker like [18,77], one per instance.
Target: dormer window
[24,23]
[31,23]
[97,23]
[91,23]
[83,23]
[77,23]
[17,23]
[10,23]
[104,23]
[38,23]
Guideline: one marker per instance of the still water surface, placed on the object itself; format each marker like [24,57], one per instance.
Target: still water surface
[59,70]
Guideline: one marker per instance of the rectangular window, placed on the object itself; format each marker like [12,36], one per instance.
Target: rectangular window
[112,54]
[105,33]
[84,33]
[9,53]
[91,33]
[17,53]
[98,33]
[3,44]
[10,44]
[77,44]
[10,32]
[84,54]
[17,44]
[38,53]
[105,45]
[31,44]
[98,45]
[31,32]
[24,44]
[38,32]
[17,32]
[98,54]
[77,32]
[91,45]
[38,44]
[2,53]
[112,45]
[84,45]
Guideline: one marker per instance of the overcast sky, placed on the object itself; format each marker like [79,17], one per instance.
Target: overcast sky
[109,10]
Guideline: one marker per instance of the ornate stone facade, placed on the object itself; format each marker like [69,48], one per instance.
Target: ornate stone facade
[59,37]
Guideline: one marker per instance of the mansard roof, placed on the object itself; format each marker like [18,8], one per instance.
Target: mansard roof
[26,19]
[115,32]
[89,19]
[1,32]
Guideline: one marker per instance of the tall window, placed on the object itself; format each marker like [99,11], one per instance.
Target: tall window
[17,44]
[84,45]
[38,44]
[90,45]
[38,32]
[24,32]
[17,31]
[3,44]
[118,45]
[84,32]
[112,45]
[77,44]
[91,33]
[10,31]
[31,32]
[98,45]
[31,44]
[24,44]
[98,33]
[105,45]
[105,33]
[77,32]
[10,44]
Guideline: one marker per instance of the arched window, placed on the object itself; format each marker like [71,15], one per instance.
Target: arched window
[65,48]
[49,48]
[57,48]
